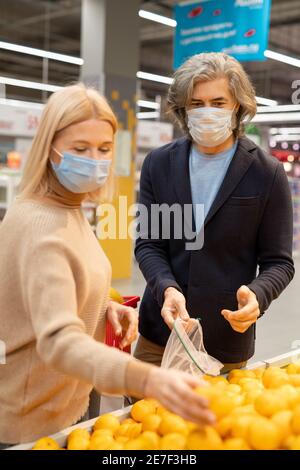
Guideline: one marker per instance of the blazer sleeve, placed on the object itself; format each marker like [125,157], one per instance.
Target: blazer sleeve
[275,240]
[152,254]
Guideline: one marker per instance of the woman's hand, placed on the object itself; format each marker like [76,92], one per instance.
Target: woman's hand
[173,307]
[248,312]
[175,391]
[123,320]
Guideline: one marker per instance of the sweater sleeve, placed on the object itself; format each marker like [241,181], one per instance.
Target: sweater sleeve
[275,238]
[62,342]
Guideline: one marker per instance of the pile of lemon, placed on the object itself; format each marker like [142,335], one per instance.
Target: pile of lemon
[255,409]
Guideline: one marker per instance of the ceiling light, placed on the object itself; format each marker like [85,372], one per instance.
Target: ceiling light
[154,78]
[148,104]
[41,53]
[146,115]
[147,15]
[279,109]
[282,58]
[27,84]
[21,104]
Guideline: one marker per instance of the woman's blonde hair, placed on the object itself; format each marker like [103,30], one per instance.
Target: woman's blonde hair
[70,105]
[206,67]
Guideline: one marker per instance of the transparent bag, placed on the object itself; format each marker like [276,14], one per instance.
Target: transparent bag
[185,350]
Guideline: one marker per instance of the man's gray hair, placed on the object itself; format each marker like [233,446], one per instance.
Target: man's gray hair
[206,67]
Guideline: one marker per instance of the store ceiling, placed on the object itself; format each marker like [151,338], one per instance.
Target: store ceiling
[55,26]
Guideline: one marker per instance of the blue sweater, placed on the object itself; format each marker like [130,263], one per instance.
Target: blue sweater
[207,173]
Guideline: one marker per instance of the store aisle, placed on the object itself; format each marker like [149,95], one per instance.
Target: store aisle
[277,332]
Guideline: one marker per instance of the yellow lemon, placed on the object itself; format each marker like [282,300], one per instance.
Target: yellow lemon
[240,426]
[224,426]
[101,442]
[269,402]
[141,409]
[295,443]
[293,368]
[289,393]
[263,434]
[116,446]
[173,424]
[151,422]
[234,388]
[283,420]
[136,444]
[107,421]
[275,377]
[223,405]
[173,441]
[295,422]
[251,396]
[79,439]
[115,295]
[46,443]
[152,439]
[131,430]
[204,439]
[294,380]
[235,443]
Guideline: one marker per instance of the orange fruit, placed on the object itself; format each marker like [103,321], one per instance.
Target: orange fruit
[235,443]
[283,420]
[173,424]
[116,446]
[274,377]
[289,393]
[46,443]
[240,426]
[79,439]
[152,440]
[295,422]
[223,405]
[131,430]
[204,439]
[107,421]
[294,380]
[224,426]
[151,422]
[263,434]
[141,409]
[295,443]
[293,368]
[138,443]
[101,442]
[173,441]
[251,396]
[269,402]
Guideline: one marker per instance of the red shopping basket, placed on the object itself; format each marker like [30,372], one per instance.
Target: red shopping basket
[111,339]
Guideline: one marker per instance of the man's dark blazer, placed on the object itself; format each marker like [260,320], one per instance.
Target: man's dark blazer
[249,226]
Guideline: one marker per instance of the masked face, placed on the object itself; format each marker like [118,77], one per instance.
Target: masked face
[81,174]
[210,127]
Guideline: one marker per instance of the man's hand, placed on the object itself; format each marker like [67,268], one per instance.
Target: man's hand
[173,307]
[248,311]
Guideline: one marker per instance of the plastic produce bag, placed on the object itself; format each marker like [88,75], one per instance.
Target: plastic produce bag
[185,350]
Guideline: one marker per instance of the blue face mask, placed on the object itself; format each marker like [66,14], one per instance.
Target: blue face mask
[81,174]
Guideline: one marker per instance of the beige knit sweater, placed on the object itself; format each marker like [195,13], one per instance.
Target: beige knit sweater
[53,299]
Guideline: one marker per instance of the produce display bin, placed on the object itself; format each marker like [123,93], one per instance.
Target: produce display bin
[61,437]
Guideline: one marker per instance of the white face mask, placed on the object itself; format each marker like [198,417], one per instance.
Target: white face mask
[211,126]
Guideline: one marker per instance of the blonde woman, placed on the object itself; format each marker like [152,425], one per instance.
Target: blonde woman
[55,281]
[245,217]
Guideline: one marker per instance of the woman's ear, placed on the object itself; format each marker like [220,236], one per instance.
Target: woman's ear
[54,156]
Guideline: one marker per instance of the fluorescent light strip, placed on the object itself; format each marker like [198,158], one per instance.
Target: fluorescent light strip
[28,84]
[148,15]
[284,130]
[148,104]
[21,104]
[282,58]
[154,78]
[279,109]
[265,101]
[286,138]
[277,117]
[153,115]
[41,53]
